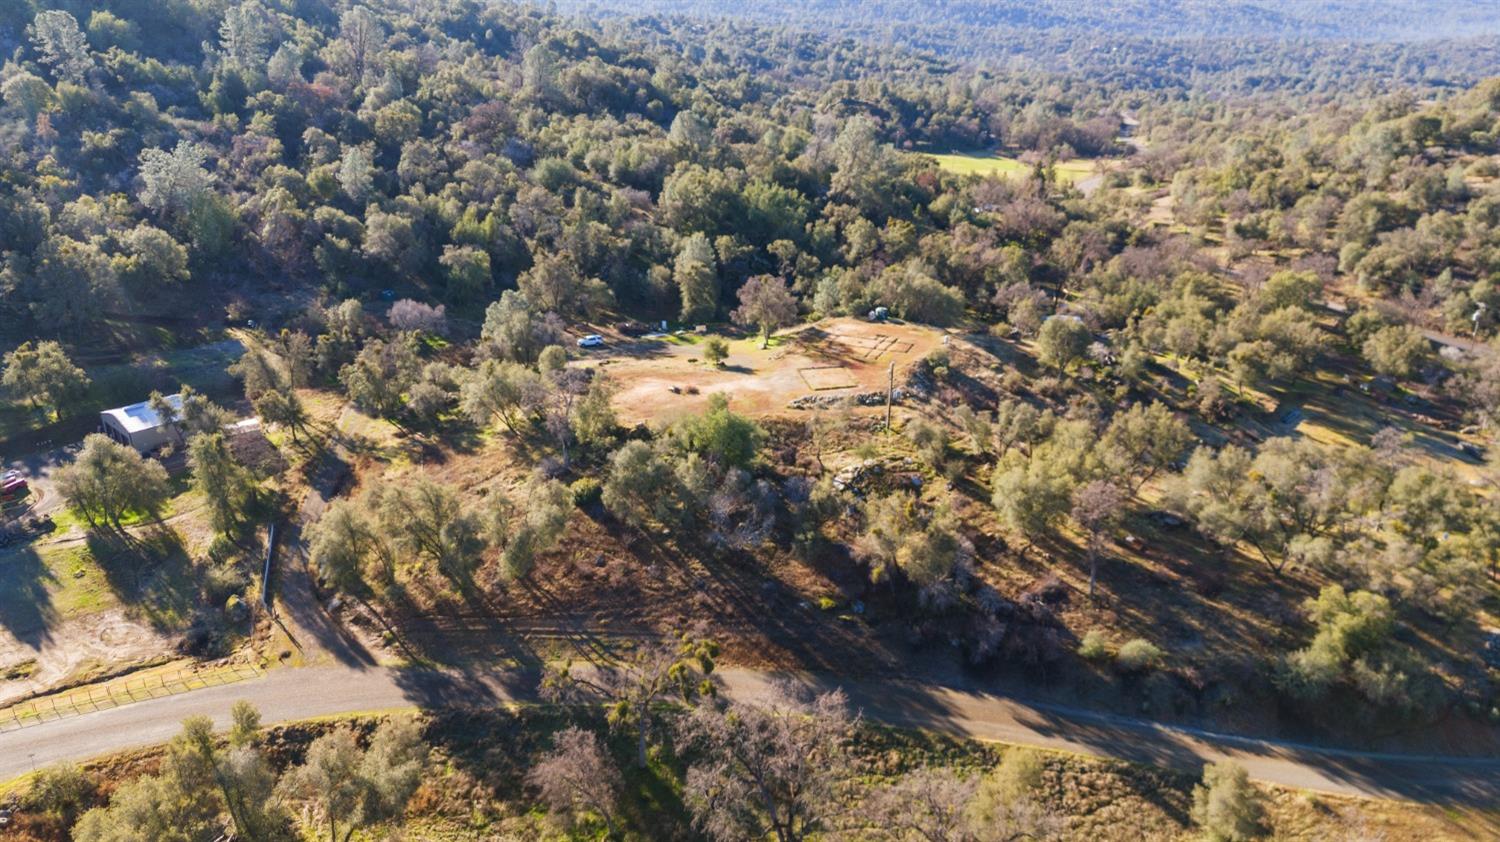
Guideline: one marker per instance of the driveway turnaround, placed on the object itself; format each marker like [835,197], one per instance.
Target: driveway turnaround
[301,693]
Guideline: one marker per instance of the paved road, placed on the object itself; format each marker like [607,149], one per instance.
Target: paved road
[1437,337]
[289,694]
[361,686]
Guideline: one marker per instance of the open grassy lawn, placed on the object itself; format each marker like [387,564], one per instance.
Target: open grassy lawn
[46,585]
[985,163]
[42,585]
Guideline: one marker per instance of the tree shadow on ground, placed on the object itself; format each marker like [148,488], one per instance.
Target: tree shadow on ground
[296,586]
[26,608]
[475,686]
[1437,780]
[464,629]
[737,591]
[1442,780]
[150,572]
[635,349]
[456,434]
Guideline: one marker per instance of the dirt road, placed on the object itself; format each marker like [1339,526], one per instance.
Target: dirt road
[290,694]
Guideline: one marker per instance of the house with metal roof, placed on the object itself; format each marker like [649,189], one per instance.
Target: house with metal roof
[139,426]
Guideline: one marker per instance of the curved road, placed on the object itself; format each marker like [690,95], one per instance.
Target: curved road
[361,687]
[300,693]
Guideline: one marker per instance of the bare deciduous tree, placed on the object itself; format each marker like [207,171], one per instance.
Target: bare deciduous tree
[776,768]
[928,804]
[567,388]
[408,315]
[765,304]
[637,687]
[941,805]
[577,775]
[741,511]
[1096,507]
[173,181]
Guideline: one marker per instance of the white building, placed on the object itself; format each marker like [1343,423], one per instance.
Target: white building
[139,426]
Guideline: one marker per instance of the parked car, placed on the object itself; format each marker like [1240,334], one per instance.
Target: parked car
[593,340]
[1167,519]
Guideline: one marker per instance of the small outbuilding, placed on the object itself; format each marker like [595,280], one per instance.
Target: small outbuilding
[139,426]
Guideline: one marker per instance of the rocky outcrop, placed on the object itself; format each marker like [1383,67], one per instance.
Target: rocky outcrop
[859,399]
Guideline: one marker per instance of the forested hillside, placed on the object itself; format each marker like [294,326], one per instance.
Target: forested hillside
[274,148]
[1163,383]
[1240,48]
[1344,20]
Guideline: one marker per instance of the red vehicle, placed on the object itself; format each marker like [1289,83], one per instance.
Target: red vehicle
[12,486]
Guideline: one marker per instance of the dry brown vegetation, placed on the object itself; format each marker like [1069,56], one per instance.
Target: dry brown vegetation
[477,789]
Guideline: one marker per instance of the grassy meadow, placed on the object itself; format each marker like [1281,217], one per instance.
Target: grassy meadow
[986,163]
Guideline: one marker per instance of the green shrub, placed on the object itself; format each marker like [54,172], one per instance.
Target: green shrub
[223,581]
[940,363]
[235,609]
[1138,655]
[1095,646]
[715,351]
[222,548]
[1226,805]
[62,790]
[586,491]
[1018,776]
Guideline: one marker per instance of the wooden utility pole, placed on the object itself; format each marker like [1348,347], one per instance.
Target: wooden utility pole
[265,579]
[890,395]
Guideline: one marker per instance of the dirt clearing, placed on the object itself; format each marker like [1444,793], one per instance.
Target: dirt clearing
[662,379]
[828,378]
